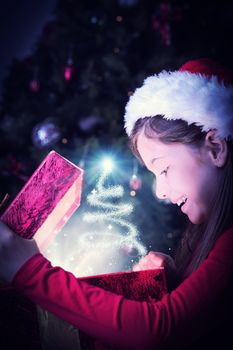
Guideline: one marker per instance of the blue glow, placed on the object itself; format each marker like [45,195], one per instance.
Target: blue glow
[108,165]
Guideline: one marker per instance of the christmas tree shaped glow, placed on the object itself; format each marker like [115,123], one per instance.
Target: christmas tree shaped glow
[111,244]
[113,213]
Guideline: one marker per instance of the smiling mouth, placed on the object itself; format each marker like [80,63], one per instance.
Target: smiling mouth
[181,201]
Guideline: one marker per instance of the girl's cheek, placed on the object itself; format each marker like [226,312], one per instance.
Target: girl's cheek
[174,180]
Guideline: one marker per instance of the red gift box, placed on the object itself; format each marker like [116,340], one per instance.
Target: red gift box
[40,210]
[25,325]
[46,201]
[147,285]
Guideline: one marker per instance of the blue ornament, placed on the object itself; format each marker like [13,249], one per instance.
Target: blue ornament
[45,134]
[89,123]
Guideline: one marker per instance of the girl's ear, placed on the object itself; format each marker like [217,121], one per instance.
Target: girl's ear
[217,148]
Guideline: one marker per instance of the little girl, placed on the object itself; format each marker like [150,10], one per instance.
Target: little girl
[180,125]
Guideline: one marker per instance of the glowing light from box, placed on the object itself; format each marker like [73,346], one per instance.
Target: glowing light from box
[110,213]
[107,165]
[105,240]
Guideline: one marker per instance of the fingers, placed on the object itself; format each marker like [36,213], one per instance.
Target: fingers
[151,261]
[156,259]
[136,267]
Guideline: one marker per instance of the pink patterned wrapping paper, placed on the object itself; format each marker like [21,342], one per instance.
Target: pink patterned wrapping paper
[47,200]
[146,285]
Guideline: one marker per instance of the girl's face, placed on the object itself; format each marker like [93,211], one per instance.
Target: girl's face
[184,175]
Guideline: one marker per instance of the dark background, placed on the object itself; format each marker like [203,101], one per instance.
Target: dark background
[21,23]
[114,45]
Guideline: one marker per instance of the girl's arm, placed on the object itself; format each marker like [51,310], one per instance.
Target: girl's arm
[198,304]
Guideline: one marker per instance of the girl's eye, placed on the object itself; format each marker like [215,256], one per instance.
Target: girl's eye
[164,172]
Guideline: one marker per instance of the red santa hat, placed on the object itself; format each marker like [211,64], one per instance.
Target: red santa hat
[200,92]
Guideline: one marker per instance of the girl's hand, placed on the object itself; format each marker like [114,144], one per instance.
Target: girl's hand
[14,252]
[154,260]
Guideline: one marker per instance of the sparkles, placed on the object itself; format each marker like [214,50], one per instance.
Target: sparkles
[107,165]
[114,213]
[111,244]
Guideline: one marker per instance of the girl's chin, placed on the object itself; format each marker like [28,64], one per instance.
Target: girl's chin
[196,219]
[195,216]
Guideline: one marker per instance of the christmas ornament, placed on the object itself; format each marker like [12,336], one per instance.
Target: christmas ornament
[45,134]
[161,22]
[162,19]
[89,123]
[34,84]
[119,19]
[69,68]
[64,141]
[132,193]
[135,183]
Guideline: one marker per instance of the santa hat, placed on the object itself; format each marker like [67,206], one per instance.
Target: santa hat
[200,92]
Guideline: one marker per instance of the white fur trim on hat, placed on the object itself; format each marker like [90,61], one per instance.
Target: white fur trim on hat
[194,98]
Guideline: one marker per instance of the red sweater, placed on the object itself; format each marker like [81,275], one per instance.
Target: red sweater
[200,303]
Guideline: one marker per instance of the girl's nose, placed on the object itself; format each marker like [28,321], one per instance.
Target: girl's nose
[161,189]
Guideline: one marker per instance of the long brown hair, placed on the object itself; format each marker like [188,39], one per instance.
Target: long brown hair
[197,240]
